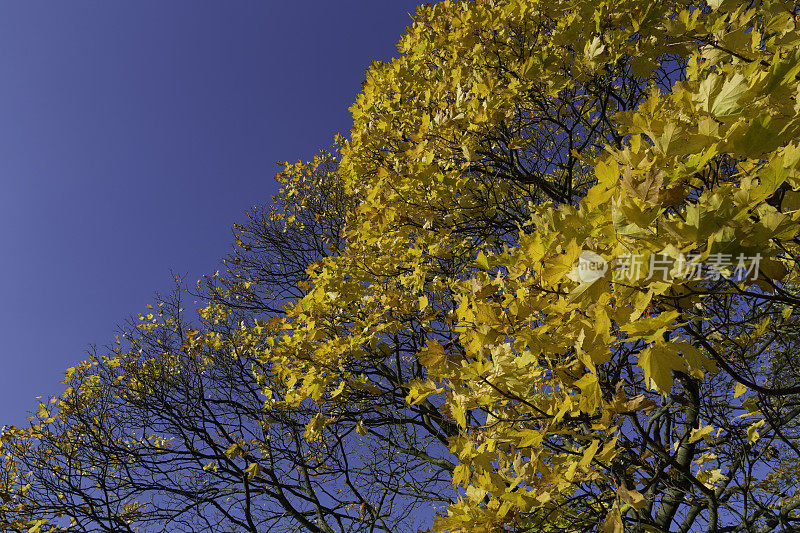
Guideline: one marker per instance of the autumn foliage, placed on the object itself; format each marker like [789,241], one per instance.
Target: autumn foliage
[406,338]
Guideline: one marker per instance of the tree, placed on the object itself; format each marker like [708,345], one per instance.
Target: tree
[555,265]
[174,429]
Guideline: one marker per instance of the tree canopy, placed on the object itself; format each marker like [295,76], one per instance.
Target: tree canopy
[547,283]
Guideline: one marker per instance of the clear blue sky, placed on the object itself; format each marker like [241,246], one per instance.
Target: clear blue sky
[133,134]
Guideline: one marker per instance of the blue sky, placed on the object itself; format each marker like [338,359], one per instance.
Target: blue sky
[132,136]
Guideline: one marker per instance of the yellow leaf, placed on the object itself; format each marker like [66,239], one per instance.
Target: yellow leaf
[589,454]
[726,101]
[752,431]
[710,478]
[423,303]
[607,173]
[739,389]
[37,527]
[700,433]
[419,390]
[695,359]
[651,326]
[233,451]
[591,396]
[658,362]
[632,497]
[252,470]
[461,475]
[482,261]
[431,354]
[593,49]
[612,522]
[314,428]
[459,414]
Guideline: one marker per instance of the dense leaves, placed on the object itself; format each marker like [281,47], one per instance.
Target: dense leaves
[414,328]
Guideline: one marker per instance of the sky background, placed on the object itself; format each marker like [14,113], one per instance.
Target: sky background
[134,134]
